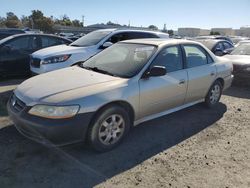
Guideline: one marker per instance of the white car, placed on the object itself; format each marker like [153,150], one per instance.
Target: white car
[62,56]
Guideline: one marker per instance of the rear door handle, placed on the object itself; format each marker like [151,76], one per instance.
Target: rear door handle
[182,81]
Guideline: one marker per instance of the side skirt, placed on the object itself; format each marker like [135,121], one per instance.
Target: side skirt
[147,118]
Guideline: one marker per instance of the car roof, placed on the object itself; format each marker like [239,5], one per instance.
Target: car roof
[31,34]
[159,41]
[131,30]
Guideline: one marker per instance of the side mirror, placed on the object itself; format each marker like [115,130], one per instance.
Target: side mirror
[106,45]
[155,71]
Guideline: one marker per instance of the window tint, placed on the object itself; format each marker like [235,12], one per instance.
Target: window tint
[20,43]
[118,37]
[195,56]
[50,41]
[35,42]
[227,45]
[139,35]
[130,35]
[170,58]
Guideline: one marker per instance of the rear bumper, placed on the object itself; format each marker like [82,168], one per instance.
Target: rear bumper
[47,131]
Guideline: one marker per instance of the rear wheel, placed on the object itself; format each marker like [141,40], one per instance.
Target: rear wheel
[109,128]
[214,94]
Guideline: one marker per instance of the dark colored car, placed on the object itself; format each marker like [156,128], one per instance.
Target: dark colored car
[5,32]
[15,51]
[218,47]
[215,37]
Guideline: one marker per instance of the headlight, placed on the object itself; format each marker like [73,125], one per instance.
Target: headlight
[54,112]
[56,59]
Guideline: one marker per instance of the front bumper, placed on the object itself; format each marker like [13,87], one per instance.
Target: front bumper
[47,131]
[228,81]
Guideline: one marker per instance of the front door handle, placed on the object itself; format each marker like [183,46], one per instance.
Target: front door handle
[182,81]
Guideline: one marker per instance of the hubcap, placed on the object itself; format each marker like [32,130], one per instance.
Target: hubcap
[111,129]
[215,94]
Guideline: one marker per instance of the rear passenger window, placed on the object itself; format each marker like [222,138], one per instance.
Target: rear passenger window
[170,58]
[195,56]
[50,41]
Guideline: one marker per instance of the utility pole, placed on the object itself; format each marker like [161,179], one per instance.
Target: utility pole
[83,20]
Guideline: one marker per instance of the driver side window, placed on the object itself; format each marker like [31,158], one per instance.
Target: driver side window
[170,58]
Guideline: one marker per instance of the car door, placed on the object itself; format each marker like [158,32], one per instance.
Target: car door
[16,59]
[201,72]
[158,94]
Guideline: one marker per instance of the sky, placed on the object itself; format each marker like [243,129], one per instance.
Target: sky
[204,14]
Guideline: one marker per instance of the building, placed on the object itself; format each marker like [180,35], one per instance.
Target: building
[192,32]
[243,31]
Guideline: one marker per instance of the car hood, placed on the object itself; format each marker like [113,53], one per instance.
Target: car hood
[239,59]
[60,50]
[69,80]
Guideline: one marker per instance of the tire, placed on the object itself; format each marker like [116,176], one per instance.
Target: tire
[213,95]
[109,128]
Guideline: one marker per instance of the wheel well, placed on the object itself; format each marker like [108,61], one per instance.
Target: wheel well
[122,104]
[221,81]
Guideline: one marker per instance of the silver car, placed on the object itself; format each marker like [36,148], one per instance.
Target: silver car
[127,84]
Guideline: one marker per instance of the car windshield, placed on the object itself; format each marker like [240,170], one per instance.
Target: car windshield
[91,39]
[122,59]
[243,49]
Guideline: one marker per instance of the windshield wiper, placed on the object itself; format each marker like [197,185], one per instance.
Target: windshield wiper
[96,69]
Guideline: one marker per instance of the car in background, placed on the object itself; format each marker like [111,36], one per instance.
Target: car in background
[58,57]
[129,83]
[240,57]
[218,47]
[242,42]
[238,39]
[219,37]
[15,51]
[5,32]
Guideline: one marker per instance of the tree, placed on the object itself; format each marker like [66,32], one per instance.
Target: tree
[77,23]
[153,27]
[12,20]
[25,20]
[2,21]
[39,21]
[170,32]
[214,33]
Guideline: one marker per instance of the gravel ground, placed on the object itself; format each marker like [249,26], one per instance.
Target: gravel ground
[195,147]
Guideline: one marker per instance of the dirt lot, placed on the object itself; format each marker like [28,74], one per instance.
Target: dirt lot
[195,147]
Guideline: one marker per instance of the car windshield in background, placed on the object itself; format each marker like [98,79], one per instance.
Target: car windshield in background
[243,49]
[90,39]
[123,60]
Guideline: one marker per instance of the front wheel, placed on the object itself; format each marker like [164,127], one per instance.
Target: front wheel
[109,128]
[214,94]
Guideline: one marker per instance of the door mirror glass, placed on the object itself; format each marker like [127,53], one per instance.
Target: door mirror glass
[107,44]
[155,71]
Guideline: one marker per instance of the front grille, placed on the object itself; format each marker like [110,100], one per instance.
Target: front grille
[35,62]
[17,104]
